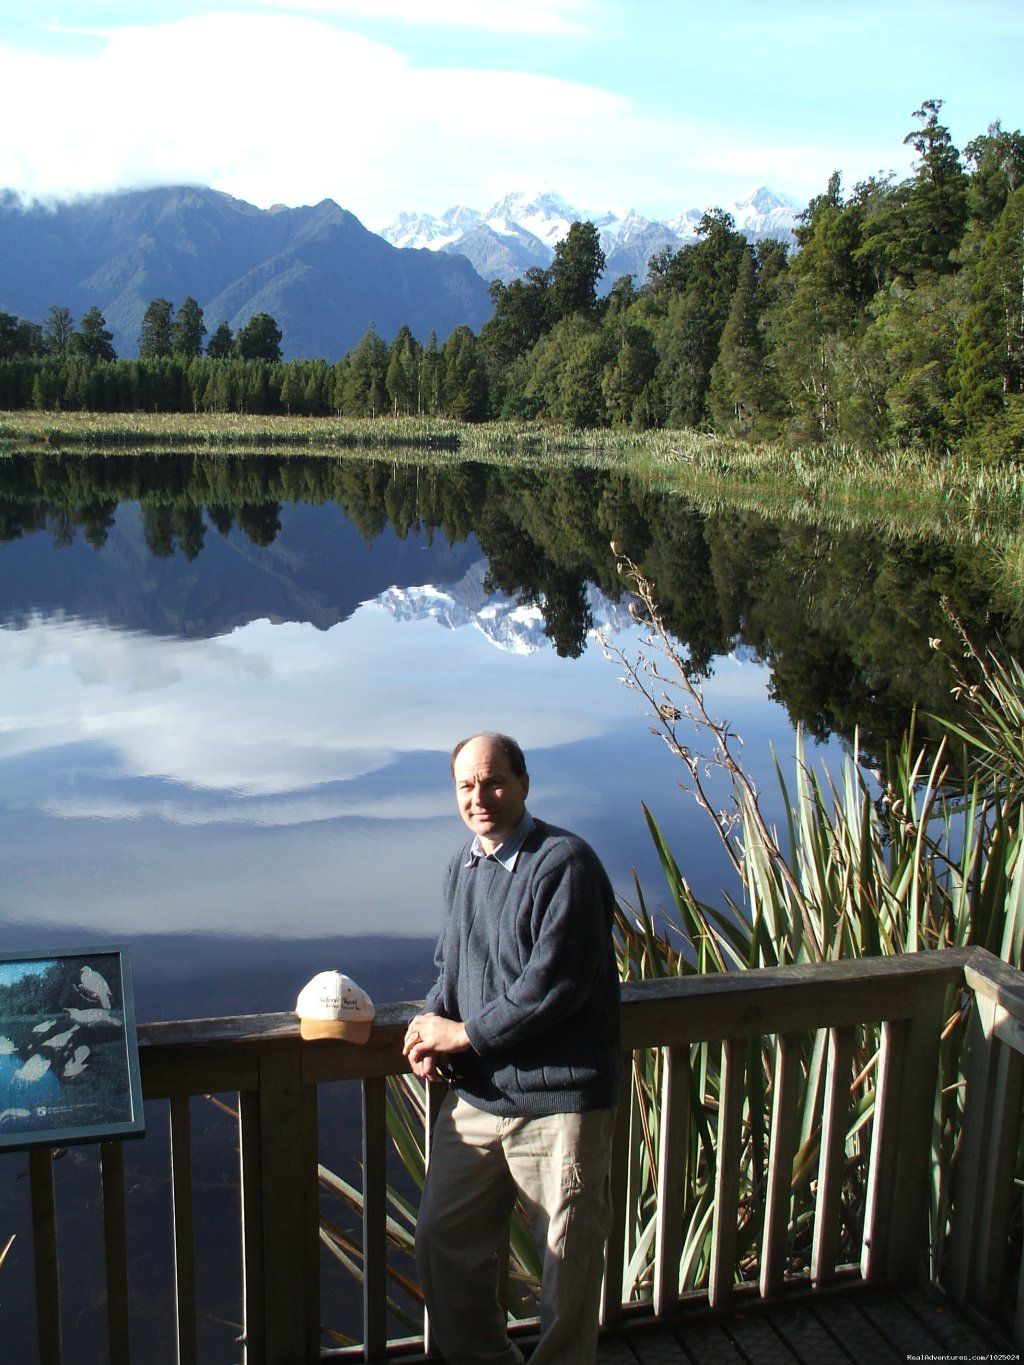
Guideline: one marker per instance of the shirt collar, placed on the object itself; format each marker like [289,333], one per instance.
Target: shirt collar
[506,853]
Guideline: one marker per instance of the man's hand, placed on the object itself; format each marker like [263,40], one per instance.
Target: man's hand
[428,1038]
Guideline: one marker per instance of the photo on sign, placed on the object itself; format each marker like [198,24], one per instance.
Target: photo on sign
[69,1061]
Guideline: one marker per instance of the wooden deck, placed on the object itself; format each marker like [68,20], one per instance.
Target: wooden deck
[850,1323]
[679,1250]
[866,1326]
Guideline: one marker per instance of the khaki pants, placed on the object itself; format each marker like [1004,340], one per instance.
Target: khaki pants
[558,1164]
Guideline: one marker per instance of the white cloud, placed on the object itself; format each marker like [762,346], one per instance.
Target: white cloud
[541,18]
[384,105]
[285,108]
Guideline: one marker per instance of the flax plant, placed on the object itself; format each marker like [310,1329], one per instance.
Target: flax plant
[923,853]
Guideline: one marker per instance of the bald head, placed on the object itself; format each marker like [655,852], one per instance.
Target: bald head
[504,743]
[490,793]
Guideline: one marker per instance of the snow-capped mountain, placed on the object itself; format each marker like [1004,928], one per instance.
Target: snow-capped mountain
[506,623]
[521,230]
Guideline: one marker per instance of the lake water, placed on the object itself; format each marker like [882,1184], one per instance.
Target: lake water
[229,691]
[237,764]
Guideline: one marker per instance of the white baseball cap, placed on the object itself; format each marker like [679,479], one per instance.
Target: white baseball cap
[333,1006]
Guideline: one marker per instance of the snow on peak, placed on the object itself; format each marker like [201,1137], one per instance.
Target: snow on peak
[507,623]
[533,222]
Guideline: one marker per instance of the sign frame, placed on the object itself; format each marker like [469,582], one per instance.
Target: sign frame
[69,1050]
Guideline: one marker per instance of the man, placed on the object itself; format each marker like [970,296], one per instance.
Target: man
[524,1019]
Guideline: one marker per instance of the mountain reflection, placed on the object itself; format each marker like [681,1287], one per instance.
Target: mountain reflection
[843,619]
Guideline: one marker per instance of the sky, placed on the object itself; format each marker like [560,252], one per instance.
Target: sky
[393,105]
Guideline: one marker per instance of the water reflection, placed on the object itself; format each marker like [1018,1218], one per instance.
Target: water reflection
[230,687]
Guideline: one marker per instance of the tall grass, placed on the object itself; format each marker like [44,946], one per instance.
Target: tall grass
[923,854]
[951,495]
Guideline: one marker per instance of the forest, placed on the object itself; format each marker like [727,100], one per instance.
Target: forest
[897,320]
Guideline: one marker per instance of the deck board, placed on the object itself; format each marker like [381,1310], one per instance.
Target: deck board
[880,1326]
[953,1332]
[807,1338]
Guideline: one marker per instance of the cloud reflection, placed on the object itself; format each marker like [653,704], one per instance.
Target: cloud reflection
[272,710]
[289,782]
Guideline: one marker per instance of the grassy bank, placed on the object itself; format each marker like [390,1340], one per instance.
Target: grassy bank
[951,493]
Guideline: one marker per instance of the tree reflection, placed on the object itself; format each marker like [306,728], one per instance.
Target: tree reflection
[843,618]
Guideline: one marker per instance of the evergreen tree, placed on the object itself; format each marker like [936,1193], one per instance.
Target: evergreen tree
[996,161]
[293,389]
[576,270]
[819,313]
[465,376]
[626,383]
[319,388]
[364,377]
[737,395]
[221,343]
[188,329]
[524,311]
[402,378]
[919,224]
[432,378]
[58,330]
[990,349]
[155,336]
[259,339]
[914,332]
[93,340]
[701,280]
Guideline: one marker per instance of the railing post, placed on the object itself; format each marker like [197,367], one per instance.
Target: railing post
[668,1237]
[44,1236]
[436,1093]
[116,1246]
[895,1229]
[975,1119]
[727,1172]
[835,1121]
[280,1213]
[612,1289]
[779,1193]
[184,1230]
[375,1212]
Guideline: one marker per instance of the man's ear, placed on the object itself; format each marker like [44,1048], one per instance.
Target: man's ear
[525,779]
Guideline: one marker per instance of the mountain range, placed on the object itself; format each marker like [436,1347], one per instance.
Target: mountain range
[322,275]
[521,230]
[316,270]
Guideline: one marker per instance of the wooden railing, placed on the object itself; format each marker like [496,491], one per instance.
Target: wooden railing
[276,1078]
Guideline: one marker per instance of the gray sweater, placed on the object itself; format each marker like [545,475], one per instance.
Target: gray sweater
[526,962]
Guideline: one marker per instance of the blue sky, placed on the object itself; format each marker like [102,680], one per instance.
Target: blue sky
[384,105]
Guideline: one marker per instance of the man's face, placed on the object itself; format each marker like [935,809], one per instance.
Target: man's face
[491,798]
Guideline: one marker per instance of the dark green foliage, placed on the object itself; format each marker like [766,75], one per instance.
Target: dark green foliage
[259,339]
[465,377]
[188,329]
[577,267]
[93,340]
[403,374]
[58,330]
[221,342]
[990,348]
[740,391]
[155,337]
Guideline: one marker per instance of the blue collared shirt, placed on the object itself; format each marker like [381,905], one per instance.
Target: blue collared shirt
[506,853]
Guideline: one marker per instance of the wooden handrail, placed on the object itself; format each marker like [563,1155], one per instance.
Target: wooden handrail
[276,1075]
